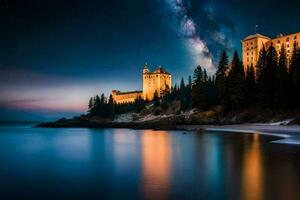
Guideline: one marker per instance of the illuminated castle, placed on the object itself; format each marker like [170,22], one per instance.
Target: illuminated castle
[158,81]
[252,45]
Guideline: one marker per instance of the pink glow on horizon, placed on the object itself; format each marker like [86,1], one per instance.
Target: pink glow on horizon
[51,106]
[34,91]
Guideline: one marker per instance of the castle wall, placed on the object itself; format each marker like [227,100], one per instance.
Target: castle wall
[125,97]
[166,82]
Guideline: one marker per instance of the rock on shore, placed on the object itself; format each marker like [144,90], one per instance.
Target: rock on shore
[173,121]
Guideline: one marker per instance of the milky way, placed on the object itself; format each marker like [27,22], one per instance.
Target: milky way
[187,29]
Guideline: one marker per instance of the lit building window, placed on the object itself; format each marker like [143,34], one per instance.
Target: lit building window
[287,39]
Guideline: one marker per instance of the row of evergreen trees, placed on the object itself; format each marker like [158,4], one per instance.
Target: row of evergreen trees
[106,108]
[100,106]
[273,84]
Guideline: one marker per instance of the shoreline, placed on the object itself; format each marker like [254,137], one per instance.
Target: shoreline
[287,134]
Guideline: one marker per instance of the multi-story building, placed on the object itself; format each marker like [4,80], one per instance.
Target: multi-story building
[159,81]
[252,45]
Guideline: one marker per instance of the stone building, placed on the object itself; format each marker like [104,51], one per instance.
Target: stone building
[126,97]
[252,45]
[158,81]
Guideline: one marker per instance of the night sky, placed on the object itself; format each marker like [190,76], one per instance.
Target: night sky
[55,54]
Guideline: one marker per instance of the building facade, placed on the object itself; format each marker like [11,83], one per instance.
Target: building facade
[252,45]
[126,97]
[158,81]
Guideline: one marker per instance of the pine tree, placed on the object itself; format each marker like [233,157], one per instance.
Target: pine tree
[190,82]
[146,99]
[220,77]
[260,77]
[102,99]
[140,104]
[282,80]
[156,99]
[294,59]
[198,93]
[182,96]
[235,85]
[250,86]
[182,85]
[211,91]
[91,105]
[205,76]
[294,77]
[111,108]
[174,88]
[270,77]
[101,107]
[97,106]
[261,64]
[189,93]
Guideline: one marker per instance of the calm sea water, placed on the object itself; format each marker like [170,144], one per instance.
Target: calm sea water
[40,163]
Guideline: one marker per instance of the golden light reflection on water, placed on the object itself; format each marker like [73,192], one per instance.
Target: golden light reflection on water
[124,148]
[253,175]
[156,164]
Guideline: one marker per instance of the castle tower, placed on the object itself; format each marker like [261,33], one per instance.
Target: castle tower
[145,70]
[159,81]
[146,82]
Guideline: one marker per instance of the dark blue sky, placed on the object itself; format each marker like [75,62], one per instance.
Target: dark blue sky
[55,54]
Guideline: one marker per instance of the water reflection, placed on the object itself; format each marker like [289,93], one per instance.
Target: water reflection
[74,145]
[135,164]
[252,172]
[125,149]
[156,164]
